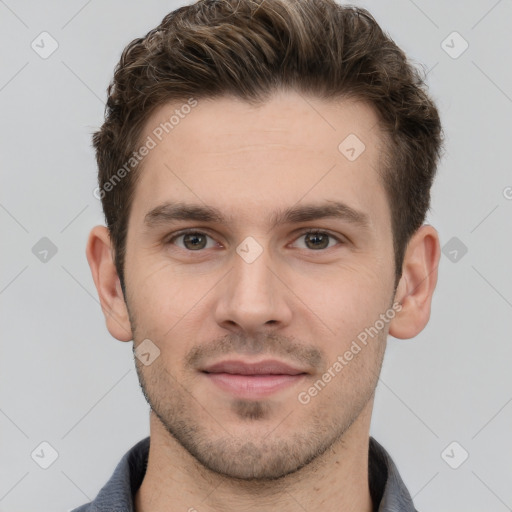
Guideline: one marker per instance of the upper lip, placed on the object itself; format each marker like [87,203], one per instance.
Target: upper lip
[267,367]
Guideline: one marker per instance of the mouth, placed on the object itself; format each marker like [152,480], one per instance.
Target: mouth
[253,380]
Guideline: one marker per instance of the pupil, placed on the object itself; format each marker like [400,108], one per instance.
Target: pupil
[195,240]
[317,237]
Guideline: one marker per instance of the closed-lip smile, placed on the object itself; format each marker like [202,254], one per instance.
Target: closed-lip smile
[266,367]
[253,380]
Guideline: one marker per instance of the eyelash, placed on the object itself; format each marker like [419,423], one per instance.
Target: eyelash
[303,233]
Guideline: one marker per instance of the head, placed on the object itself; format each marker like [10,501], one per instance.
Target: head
[248,123]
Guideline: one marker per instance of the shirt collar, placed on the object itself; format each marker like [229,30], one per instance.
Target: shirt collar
[386,486]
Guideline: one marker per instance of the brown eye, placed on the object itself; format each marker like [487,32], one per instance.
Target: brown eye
[192,241]
[317,240]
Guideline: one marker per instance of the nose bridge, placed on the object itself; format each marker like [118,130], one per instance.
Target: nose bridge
[251,274]
[252,296]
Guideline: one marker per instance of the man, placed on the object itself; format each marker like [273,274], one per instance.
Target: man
[265,169]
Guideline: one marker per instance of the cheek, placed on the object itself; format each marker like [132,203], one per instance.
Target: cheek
[161,296]
[345,298]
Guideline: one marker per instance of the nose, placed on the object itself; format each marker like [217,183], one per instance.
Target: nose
[253,297]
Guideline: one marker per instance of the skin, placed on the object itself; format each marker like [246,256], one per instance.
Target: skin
[297,303]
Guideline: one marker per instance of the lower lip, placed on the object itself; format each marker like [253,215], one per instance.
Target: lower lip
[253,386]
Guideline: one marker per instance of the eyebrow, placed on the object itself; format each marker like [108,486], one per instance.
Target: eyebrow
[169,212]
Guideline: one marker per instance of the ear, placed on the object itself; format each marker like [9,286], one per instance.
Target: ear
[99,253]
[417,283]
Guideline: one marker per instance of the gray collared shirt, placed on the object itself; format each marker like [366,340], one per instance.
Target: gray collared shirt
[387,489]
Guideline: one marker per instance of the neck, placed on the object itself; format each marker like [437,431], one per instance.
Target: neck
[336,480]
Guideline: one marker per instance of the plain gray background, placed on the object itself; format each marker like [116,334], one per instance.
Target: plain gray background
[66,382]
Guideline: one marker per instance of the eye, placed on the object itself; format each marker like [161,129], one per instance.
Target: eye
[317,240]
[192,240]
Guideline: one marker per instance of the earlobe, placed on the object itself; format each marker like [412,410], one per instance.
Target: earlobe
[417,284]
[99,255]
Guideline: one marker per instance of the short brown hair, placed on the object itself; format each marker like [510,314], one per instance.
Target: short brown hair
[251,48]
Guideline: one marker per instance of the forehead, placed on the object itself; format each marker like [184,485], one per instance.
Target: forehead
[240,158]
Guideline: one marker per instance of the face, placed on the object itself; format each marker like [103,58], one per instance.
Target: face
[258,253]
